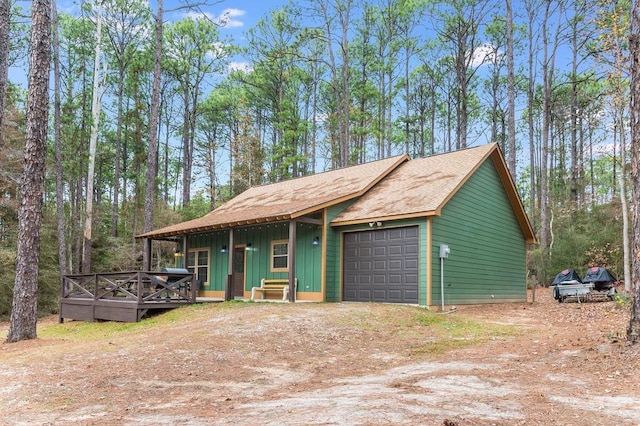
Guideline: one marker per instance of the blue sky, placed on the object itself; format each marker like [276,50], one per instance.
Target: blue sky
[239,17]
[235,16]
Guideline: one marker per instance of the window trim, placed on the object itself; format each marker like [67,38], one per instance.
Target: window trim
[196,251]
[273,256]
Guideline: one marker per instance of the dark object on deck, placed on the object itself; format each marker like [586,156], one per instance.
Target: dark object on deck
[176,270]
[601,278]
[567,276]
[159,281]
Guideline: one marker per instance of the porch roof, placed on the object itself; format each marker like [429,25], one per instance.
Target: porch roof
[422,187]
[287,200]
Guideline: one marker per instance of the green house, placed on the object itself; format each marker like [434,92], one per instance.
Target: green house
[443,230]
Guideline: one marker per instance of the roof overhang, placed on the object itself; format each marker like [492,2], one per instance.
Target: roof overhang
[310,206]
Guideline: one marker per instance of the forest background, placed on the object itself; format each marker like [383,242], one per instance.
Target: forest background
[312,86]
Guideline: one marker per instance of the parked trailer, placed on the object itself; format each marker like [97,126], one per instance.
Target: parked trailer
[581,292]
[598,284]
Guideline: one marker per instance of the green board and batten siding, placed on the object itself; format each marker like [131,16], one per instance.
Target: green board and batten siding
[258,255]
[218,262]
[487,260]
[333,261]
[483,223]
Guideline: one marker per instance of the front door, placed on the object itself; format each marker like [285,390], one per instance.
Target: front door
[238,273]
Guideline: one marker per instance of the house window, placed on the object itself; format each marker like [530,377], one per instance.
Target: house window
[198,263]
[279,256]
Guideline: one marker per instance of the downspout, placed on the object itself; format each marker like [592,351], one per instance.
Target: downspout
[444,253]
[442,282]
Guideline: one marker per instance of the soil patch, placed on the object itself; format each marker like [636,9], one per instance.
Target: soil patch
[332,364]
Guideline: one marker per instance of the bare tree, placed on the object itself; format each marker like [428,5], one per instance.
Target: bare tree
[96,105]
[531,7]
[634,47]
[57,123]
[548,67]
[25,291]
[335,30]
[125,26]
[460,32]
[152,159]
[511,92]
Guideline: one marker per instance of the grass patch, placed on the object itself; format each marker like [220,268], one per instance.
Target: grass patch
[92,331]
[622,300]
[450,332]
[86,331]
[425,332]
[429,319]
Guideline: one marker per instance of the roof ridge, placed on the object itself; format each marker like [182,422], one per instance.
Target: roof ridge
[345,168]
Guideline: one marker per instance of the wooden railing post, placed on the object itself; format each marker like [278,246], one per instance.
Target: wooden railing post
[95,286]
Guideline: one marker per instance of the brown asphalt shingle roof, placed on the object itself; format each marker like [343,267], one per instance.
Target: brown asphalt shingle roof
[422,187]
[288,199]
[418,188]
[390,189]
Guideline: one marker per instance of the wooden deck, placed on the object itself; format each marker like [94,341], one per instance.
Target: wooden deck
[123,296]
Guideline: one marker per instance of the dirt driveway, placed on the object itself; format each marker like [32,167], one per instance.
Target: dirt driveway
[330,364]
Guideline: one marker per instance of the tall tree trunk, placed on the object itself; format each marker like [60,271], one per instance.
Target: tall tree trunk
[165,171]
[115,212]
[5,29]
[633,332]
[511,93]
[25,290]
[622,178]
[93,142]
[152,160]
[186,158]
[77,254]
[548,66]
[211,166]
[575,164]
[345,100]
[62,244]
[340,78]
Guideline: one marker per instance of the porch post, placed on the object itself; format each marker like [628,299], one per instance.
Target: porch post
[185,264]
[147,265]
[292,260]
[231,251]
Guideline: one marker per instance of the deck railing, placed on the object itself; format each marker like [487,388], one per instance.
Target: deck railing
[136,286]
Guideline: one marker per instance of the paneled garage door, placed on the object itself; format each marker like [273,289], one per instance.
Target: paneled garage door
[381,265]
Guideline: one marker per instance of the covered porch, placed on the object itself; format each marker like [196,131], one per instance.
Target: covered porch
[235,260]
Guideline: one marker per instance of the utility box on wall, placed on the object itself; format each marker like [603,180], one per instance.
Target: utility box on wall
[444,251]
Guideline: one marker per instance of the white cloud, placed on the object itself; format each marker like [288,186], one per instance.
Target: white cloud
[239,66]
[228,17]
[197,15]
[486,54]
